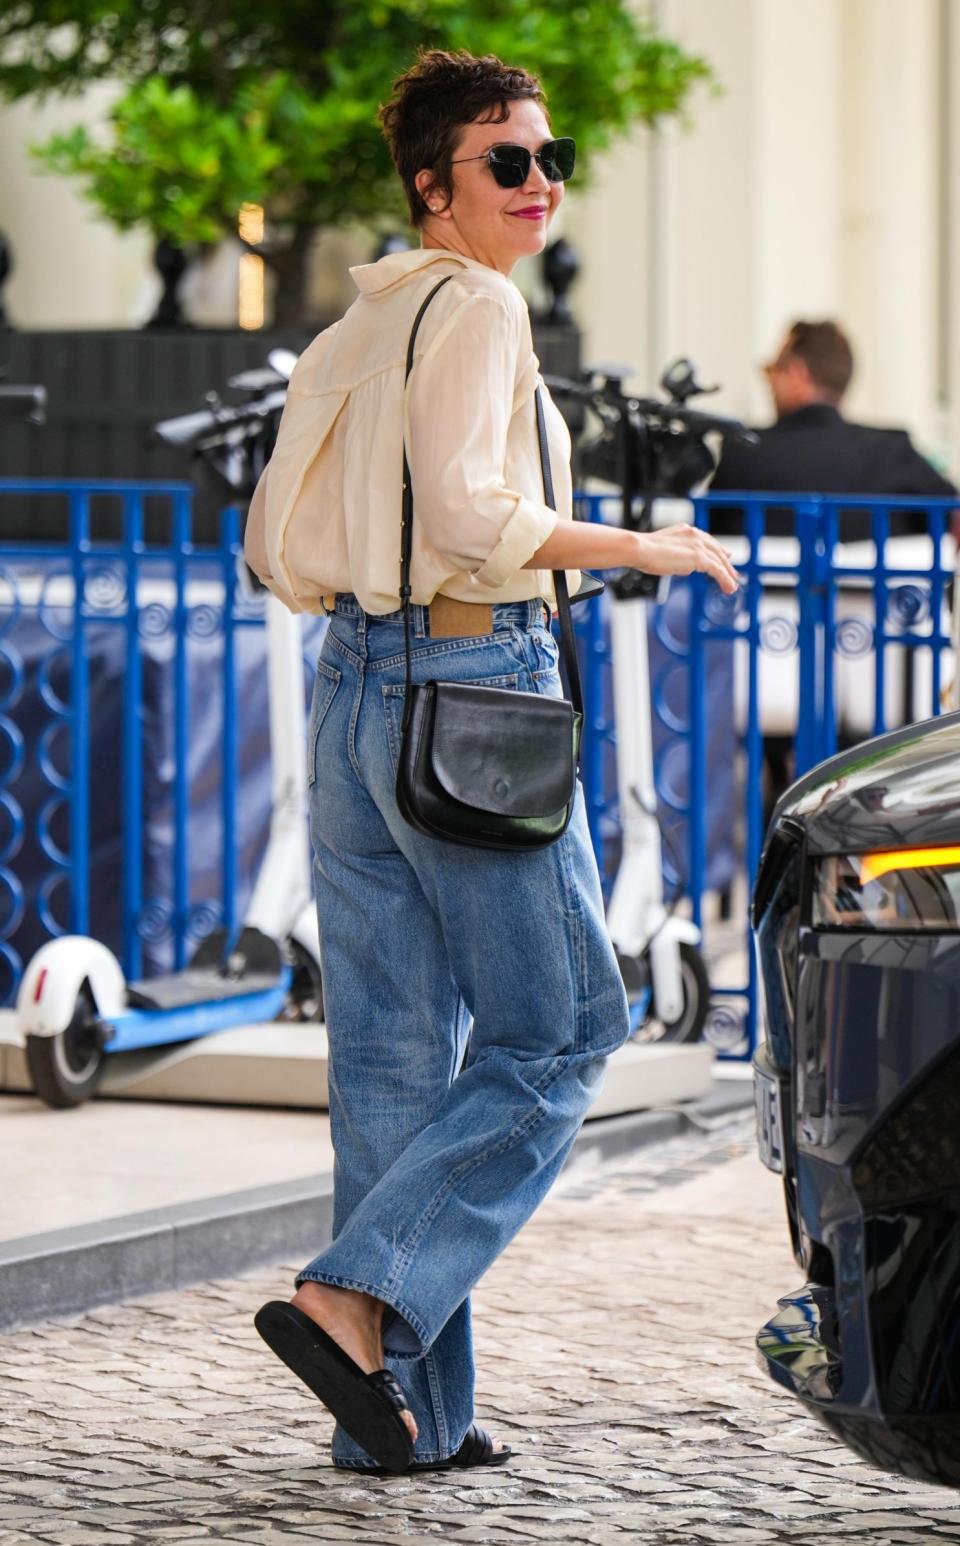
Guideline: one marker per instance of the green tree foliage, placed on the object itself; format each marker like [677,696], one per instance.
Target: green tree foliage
[237,101]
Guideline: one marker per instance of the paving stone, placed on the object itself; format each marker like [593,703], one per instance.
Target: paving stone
[615,1352]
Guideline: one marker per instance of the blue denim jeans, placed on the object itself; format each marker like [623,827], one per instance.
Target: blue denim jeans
[472,998]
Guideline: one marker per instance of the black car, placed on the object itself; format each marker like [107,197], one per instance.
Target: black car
[856,915]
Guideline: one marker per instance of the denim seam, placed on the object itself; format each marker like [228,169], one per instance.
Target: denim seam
[355,713]
[466,1167]
[314,1275]
[344,649]
[578,940]
[436,1398]
[331,675]
[445,647]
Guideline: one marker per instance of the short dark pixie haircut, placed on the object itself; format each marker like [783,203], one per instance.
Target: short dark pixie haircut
[436,98]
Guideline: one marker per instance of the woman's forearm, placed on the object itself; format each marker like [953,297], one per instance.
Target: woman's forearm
[674,550]
[587,545]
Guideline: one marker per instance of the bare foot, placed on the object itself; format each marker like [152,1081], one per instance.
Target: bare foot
[353,1319]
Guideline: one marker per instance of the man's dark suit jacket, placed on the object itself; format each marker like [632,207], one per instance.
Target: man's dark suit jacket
[816,451]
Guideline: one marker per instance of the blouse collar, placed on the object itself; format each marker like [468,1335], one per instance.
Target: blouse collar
[374,278]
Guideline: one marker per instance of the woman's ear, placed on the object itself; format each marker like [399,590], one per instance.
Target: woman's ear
[425,186]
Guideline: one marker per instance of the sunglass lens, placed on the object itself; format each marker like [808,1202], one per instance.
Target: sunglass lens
[558,158]
[510,165]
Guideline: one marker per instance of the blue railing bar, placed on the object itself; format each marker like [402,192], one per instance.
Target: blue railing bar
[697,823]
[79,527]
[840,572]
[881,530]
[152,553]
[181,711]
[229,549]
[938,523]
[808,637]
[132,744]
[813,502]
[916,641]
[754,749]
[829,736]
[85,486]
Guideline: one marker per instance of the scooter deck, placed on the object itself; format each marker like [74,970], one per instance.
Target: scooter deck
[219,971]
[196,986]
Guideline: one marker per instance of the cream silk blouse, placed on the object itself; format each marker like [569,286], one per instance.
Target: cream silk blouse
[325,516]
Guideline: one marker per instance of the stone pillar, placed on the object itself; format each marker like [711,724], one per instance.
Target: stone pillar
[890,142]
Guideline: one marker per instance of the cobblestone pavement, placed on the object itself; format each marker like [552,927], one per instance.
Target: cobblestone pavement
[616,1354]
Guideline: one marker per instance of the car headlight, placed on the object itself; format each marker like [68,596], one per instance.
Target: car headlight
[894,889]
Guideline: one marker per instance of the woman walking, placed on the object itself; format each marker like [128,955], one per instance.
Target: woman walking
[472,995]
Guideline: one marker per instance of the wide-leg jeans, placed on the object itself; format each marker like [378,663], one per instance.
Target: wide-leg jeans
[472,998]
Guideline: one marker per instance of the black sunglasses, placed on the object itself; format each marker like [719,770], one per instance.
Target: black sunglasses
[510,164]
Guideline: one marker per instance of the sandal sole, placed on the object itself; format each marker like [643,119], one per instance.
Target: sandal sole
[337,1381]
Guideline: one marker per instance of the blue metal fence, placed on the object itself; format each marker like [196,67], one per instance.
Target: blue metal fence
[827,608]
[103,644]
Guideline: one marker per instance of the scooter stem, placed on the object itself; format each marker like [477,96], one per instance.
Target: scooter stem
[283,883]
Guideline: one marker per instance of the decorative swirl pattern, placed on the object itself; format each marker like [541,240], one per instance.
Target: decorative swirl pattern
[12,828]
[11,971]
[57,881]
[49,812]
[11,604]
[154,922]
[13,749]
[724,1027]
[46,755]
[12,675]
[50,612]
[204,621]
[11,904]
[56,660]
[853,637]
[155,621]
[908,604]
[722,609]
[203,918]
[778,635]
[105,588]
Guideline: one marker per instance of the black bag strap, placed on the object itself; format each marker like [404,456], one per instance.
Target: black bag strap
[406,543]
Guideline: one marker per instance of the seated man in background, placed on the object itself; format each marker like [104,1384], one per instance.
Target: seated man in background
[813,449]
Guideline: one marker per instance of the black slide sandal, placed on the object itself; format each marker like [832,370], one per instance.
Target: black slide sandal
[476,1449]
[367,1406]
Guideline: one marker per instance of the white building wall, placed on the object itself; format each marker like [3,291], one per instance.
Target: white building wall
[71,269]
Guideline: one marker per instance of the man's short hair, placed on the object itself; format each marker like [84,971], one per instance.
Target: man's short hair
[825,350]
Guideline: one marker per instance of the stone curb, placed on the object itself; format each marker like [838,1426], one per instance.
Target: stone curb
[66,1271]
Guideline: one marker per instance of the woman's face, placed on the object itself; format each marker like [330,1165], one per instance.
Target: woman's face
[494,225]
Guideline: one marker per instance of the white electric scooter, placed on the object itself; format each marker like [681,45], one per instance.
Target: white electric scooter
[649,448]
[76,1011]
[658,951]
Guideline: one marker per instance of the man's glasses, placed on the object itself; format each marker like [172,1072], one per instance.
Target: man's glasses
[510,164]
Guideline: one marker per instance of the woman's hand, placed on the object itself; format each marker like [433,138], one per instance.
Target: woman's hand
[673,550]
[684,550]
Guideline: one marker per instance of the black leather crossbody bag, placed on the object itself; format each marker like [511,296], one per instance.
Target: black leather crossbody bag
[486,766]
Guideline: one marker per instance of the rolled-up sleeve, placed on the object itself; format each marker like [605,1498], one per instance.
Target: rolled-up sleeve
[459,403]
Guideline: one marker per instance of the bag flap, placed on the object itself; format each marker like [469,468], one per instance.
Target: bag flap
[510,753]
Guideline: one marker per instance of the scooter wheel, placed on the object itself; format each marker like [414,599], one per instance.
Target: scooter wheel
[696,999]
[65,1069]
[305,999]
